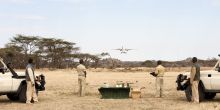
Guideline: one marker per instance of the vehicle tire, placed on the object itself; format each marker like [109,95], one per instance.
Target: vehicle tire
[22,93]
[201,92]
[13,97]
[210,96]
[188,93]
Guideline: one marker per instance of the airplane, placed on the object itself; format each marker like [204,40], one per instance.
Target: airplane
[123,50]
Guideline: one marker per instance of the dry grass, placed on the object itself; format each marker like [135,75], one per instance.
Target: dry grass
[61,94]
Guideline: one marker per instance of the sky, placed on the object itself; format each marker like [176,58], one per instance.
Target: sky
[156,29]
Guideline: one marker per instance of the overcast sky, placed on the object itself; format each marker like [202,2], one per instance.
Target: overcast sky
[156,29]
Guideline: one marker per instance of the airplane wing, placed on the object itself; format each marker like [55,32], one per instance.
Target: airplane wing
[128,49]
[118,49]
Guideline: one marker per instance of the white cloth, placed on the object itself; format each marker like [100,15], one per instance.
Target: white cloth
[31,92]
[159,86]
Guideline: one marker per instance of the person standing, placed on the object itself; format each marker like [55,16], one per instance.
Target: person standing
[194,80]
[30,80]
[81,70]
[160,70]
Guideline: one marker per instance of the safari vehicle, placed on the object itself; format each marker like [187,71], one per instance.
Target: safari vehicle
[209,84]
[13,84]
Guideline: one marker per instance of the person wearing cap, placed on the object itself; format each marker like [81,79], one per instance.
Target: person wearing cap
[160,70]
[30,80]
[194,80]
[81,70]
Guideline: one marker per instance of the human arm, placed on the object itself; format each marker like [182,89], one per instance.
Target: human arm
[157,71]
[31,75]
[85,73]
[192,74]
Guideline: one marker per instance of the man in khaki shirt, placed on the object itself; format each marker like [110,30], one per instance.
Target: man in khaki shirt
[194,80]
[30,80]
[160,70]
[81,70]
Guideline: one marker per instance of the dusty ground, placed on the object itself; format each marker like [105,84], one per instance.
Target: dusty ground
[62,88]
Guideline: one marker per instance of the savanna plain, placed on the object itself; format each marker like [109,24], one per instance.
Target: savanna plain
[62,87]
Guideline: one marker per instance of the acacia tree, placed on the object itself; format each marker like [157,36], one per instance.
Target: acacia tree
[90,60]
[112,61]
[56,51]
[13,55]
[20,48]
[26,43]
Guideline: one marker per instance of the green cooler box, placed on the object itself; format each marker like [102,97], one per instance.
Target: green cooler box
[114,92]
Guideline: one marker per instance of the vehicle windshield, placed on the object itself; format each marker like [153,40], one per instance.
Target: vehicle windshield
[217,68]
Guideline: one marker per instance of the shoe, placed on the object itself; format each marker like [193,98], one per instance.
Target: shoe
[28,103]
[196,102]
[36,101]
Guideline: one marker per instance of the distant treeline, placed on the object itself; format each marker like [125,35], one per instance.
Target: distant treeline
[59,54]
[152,63]
[47,52]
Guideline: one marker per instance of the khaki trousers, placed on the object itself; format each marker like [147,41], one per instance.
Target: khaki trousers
[82,86]
[159,86]
[195,91]
[31,93]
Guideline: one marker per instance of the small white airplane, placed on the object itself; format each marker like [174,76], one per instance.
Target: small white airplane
[123,50]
